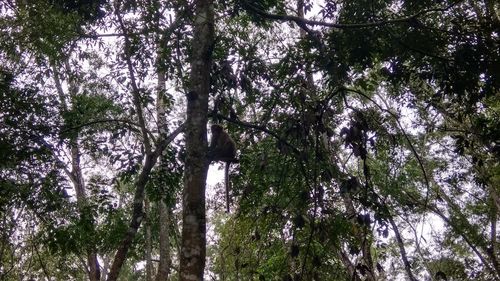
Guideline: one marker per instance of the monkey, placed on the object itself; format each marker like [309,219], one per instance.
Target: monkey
[222,148]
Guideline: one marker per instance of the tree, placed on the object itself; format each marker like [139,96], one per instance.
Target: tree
[367,140]
[192,255]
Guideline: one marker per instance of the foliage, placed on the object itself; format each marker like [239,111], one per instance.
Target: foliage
[367,135]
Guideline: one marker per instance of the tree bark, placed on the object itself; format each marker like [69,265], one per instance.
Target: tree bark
[164,265]
[193,249]
[81,199]
[148,238]
[105,267]
[163,209]
[402,249]
[135,221]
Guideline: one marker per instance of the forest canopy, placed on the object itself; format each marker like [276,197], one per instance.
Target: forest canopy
[366,132]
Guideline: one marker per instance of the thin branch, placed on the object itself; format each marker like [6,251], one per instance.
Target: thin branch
[133,82]
[417,244]
[95,36]
[110,120]
[162,144]
[414,151]
[42,265]
[300,21]
[459,230]
[258,128]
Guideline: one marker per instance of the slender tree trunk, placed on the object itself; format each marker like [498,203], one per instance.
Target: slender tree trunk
[402,249]
[193,249]
[164,265]
[149,162]
[163,209]
[135,221]
[76,174]
[137,212]
[81,199]
[105,268]
[148,242]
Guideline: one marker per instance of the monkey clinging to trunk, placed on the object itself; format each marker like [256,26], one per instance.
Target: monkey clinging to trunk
[222,148]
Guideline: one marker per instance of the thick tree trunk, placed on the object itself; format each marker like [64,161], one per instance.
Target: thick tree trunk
[192,256]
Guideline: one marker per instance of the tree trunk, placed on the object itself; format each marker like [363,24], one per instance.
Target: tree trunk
[81,199]
[135,221]
[163,209]
[164,265]
[402,249]
[105,267]
[192,256]
[76,174]
[148,242]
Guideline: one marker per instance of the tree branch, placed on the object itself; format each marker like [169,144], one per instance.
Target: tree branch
[258,128]
[110,120]
[133,82]
[300,21]
[401,246]
[412,148]
[137,213]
